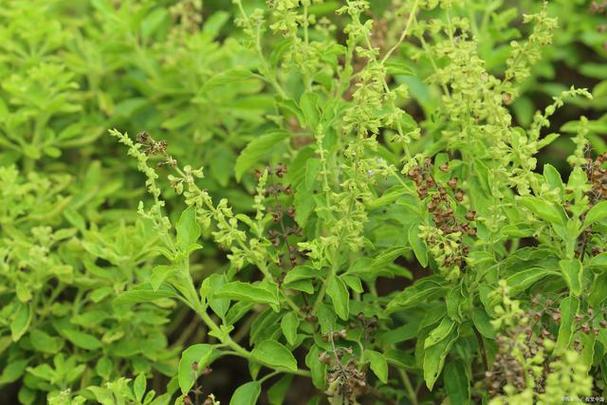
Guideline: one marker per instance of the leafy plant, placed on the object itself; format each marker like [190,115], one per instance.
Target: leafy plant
[348,197]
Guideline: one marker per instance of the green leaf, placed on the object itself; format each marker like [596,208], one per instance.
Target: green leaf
[599,290]
[43,342]
[378,364]
[317,368]
[434,358]
[543,209]
[421,292]
[139,386]
[275,355]
[81,339]
[572,273]
[419,246]
[289,325]
[239,291]
[193,361]
[209,286]
[278,391]
[213,23]
[457,383]
[524,279]
[159,274]
[256,150]
[21,319]
[188,229]
[596,213]
[482,322]
[569,308]
[553,177]
[246,394]
[13,371]
[441,332]
[145,293]
[599,261]
[300,273]
[336,289]
[309,103]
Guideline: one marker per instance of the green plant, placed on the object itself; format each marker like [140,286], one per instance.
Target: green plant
[296,156]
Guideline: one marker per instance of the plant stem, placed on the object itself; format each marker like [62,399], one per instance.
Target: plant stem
[408,386]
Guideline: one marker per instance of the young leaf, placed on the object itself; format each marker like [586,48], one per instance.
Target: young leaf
[159,274]
[274,354]
[596,213]
[139,386]
[188,229]
[336,289]
[543,209]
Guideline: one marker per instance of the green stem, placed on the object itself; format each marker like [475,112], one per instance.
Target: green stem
[408,386]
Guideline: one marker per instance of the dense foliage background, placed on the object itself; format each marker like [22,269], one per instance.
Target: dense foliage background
[341,201]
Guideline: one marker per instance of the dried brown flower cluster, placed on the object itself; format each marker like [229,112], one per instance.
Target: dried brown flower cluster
[597,176]
[283,216]
[346,381]
[442,200]
[529,338]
